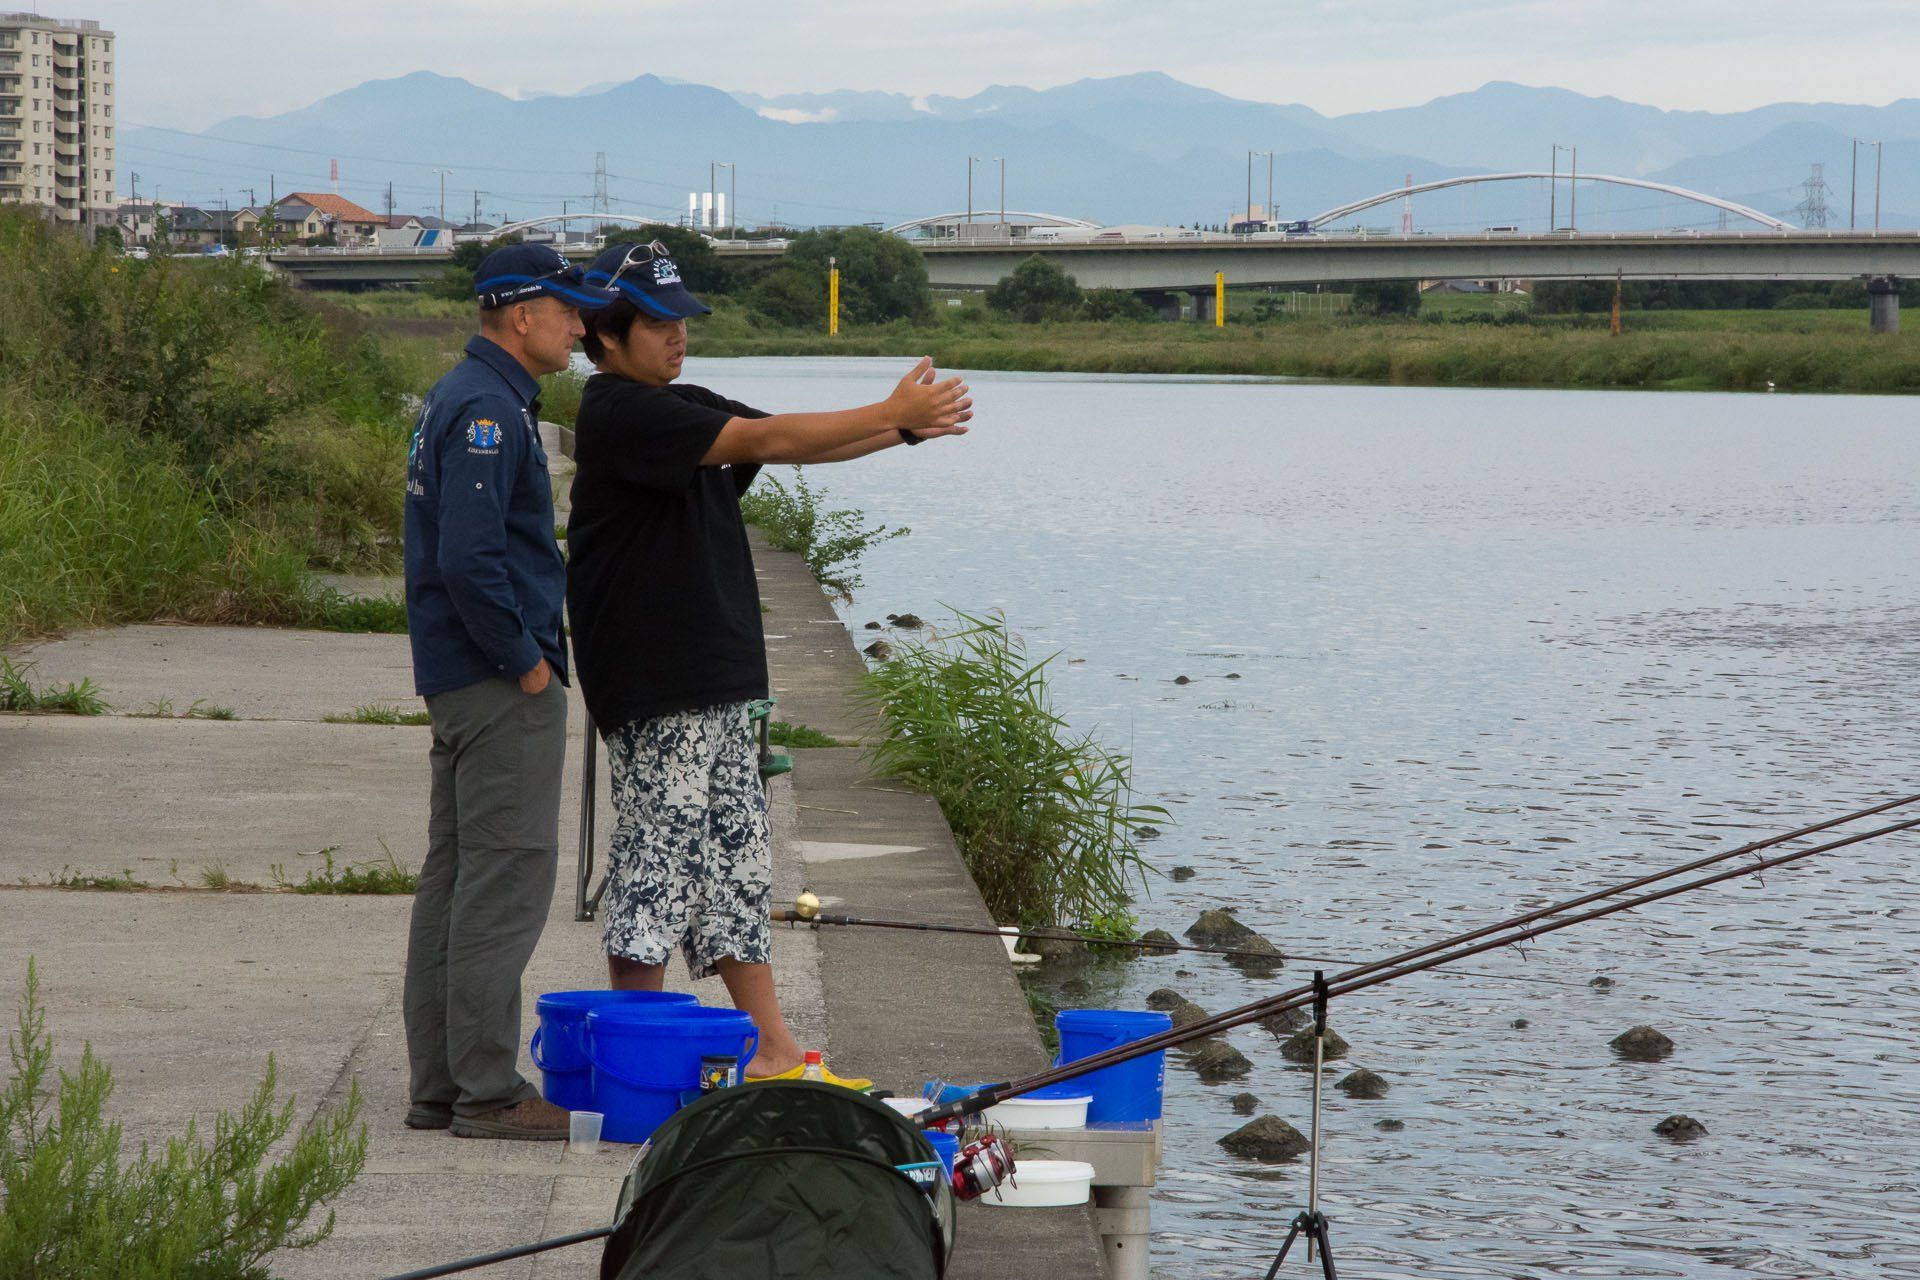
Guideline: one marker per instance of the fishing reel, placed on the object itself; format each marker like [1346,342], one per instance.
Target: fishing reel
[983,1165]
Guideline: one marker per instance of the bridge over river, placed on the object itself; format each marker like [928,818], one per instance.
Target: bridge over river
[1168,263]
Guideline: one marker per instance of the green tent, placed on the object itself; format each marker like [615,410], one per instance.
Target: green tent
[787,1180]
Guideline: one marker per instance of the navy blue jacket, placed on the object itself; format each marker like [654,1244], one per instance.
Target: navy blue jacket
[485,580]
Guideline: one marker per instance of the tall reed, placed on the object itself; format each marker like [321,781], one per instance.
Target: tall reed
[1044,816]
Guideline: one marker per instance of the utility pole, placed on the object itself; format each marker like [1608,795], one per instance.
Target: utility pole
[476,208]
[971,161]
[389,200]
[1853,187]
[443,194]
[1247,222]
[1269,190]
[1876,184]
[1573,192]
[1002,162]
[1553,193]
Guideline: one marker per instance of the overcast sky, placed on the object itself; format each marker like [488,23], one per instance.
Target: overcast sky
[187,65]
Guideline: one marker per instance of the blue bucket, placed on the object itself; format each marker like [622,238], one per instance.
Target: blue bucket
[947,1147]
[1127,1092]
[559,1045]
[645,1060]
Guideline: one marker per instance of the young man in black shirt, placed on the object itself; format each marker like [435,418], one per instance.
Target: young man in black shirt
[666,630]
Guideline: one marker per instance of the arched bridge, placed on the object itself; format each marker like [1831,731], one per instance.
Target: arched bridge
[1400,193]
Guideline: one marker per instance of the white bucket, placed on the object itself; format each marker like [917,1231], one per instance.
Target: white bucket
[1040,1113]
[1044,1184]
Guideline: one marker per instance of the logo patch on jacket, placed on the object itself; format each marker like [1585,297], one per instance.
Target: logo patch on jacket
[483,433]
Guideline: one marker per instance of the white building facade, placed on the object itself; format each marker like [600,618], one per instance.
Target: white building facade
[57,118]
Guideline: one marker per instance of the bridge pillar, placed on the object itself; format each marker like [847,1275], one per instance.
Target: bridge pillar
[1203,306]
[1883,296]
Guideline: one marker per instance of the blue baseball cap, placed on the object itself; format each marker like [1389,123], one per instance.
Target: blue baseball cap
[644,275]
[522,271]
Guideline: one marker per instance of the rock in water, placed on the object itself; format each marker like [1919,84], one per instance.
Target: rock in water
[1051,942]
[1519,1024]
[1245,1104]
[1165,943]
[1268,1138]
[873,626]
[1260,958]
[1641,1044]
[1363,1084]
[1146,831]
[1390,1126]
[1165,998]
[908,621]
[1299,1046]
[1181,680]
[1186,1013]
[879,651]
[1219,929]
[1680,1128]
[1216,1061]
[1285,1022]
[1232,675]
[1182,874]
[1601,983]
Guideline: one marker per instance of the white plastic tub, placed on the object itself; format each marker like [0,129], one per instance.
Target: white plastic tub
[1044,1184]
[1041,1113]
[907,1106]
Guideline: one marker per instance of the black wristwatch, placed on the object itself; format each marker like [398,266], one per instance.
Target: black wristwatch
[908,436]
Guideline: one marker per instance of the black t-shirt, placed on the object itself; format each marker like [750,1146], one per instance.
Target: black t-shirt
[660,587]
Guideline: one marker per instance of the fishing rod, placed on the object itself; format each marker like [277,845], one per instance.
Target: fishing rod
[1509,932]
[806,910]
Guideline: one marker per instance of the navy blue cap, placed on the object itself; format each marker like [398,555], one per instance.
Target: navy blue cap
[644,275]
[522,271]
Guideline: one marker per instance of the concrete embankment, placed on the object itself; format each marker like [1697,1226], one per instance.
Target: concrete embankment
[186,991]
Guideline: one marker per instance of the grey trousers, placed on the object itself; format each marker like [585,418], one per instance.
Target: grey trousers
[493,843]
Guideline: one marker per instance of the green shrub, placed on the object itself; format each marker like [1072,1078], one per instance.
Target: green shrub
[1038,290]
[72,1209]
[832,541]
[882,279]
[184,438]
[1044,817]
[1118,304]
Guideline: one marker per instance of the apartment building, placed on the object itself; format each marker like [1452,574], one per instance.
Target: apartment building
[57,118]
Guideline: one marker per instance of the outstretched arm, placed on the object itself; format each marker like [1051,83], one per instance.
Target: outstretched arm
[918,404]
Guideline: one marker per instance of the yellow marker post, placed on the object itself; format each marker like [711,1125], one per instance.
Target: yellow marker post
[833,300]
[1219,299]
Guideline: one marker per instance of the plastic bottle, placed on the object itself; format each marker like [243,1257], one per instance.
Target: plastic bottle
[813,1070]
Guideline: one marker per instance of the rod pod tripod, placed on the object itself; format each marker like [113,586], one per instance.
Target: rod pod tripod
[1310,1222]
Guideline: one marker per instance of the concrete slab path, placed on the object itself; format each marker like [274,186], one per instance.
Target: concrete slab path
[186,992]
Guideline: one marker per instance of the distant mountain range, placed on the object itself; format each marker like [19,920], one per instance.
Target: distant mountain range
[1127,149]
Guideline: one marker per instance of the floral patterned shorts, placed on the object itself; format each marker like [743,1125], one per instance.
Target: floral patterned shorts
[690,864]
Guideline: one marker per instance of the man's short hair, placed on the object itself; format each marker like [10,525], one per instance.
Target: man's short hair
[608,325]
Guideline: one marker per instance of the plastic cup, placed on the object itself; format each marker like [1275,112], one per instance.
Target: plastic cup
[583,1131]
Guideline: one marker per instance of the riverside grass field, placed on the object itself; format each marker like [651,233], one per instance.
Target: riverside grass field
[1466,341]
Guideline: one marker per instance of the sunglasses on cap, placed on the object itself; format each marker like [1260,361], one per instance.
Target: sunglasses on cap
[636,256]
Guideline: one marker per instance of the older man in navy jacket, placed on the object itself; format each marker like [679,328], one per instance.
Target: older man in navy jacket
[485,588]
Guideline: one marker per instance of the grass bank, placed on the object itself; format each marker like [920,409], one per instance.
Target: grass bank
[1711,350]
[186,440]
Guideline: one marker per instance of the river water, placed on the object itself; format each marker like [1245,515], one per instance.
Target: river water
[1453,654]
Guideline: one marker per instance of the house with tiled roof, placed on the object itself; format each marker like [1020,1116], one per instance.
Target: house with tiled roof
[342,218]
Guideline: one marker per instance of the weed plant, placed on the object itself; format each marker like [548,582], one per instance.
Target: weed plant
[380,713]
[782,734]
[162,709]
[107,883]
[72,1207]
[832,542]
[16,694]
[380,876]
[1044,816]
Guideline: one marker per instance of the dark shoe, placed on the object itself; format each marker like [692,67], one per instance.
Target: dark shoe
[429,1115]
[530,1120]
